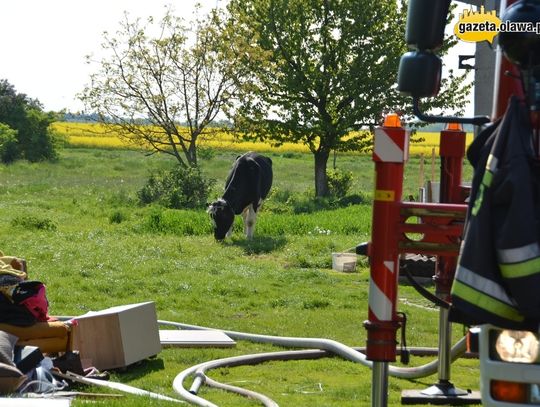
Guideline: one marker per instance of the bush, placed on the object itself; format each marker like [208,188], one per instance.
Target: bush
[33,139]
[284,201]
[34,222]
[152,191]
[117,217]
[206,153]
[339,182]
[8,144]
[38,145]
[278,201]
[176,189]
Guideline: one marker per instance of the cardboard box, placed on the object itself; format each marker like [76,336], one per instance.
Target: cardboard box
[117,337]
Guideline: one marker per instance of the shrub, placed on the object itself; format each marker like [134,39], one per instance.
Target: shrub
[155,222]
[278,201]
[117,217]
[206,153]
[284,201]
[34,141]
[339,182]
[176,189]
[8,144]
[38,145]
[152,191]
[34,222]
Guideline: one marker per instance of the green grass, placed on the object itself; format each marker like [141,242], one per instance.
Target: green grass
[78,225]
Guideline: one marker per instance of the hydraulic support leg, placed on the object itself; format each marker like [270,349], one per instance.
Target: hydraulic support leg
[390,153]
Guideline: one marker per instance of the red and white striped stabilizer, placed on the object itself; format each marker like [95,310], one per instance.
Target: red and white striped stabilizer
[391,144]
[381,307]
[391,150]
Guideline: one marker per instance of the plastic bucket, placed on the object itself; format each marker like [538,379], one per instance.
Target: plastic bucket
[344,261]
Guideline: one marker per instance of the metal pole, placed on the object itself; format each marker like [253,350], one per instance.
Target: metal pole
[452,152]
[445,339]
[379,388]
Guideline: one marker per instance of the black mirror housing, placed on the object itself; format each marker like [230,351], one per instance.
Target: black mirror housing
[419,74]
[426,20]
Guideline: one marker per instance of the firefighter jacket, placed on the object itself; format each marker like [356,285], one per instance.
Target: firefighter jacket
[498,275]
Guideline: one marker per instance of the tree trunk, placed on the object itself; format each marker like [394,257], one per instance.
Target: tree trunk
[192,152]
[321,179]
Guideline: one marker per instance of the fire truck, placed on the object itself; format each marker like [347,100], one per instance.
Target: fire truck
[495,287]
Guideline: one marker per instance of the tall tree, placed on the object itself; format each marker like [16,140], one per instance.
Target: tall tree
[163,90]
[32,139]
[317,69]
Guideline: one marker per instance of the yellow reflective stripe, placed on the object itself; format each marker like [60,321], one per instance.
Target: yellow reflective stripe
[523,269]
[384,195]
[486,182]
[485,302]
[487,178]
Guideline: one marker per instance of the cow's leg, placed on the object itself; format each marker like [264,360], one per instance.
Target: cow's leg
[250,217]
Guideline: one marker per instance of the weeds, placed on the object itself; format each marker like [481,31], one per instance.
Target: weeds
[34,222]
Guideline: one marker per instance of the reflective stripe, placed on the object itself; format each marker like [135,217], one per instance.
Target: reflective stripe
[482,284]
[524,269]
[519,254]
[485,302]
[487,178]
[491,164]
[379,303]
[486,182]
[387,148]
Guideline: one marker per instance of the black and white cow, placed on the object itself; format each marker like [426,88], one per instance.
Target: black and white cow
[247,185]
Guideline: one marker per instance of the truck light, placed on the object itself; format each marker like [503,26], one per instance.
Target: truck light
[508,391]
[517,346]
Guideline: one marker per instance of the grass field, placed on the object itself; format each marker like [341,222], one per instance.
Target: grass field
[78,224]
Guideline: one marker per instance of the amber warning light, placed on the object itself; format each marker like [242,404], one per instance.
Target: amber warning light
[392,120]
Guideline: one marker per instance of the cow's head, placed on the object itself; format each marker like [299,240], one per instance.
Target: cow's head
[222,216]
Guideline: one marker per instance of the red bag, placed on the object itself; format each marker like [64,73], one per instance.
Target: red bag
[32,295]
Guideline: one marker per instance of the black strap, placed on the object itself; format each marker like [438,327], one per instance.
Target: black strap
[423,292]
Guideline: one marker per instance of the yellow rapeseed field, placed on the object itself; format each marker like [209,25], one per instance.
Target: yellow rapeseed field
[96,135]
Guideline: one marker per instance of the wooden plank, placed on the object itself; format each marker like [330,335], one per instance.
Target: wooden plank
[195,338]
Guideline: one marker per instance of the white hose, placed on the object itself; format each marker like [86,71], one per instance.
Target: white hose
[268,402]
[335,347]
[326,344]
[200,369]
[318,343]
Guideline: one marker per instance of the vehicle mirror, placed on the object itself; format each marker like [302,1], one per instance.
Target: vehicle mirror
[419,74]
[426,20]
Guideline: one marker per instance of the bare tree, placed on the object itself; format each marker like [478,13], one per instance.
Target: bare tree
[159,85]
